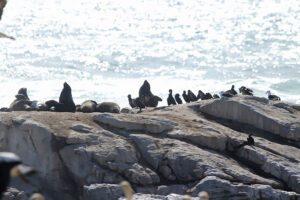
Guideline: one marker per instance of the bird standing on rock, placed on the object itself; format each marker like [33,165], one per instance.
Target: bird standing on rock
[231,91]
[186,97]
[131,102]
[171,100]
[192,96]
[246,91]
[178,99]
[250,140]
[272,96]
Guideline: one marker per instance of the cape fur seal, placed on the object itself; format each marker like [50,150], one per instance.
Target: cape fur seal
[66,103]
[170,99]
[146,97]
[88,106]
[109,107]
[22,102]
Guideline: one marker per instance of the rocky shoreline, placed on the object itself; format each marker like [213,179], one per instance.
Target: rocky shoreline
[165,151]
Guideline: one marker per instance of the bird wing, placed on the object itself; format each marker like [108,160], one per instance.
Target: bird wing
[2,35]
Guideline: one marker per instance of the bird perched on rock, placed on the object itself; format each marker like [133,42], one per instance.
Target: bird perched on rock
[250,140]
[192,96]
[178,99]
[215,96]
[272,96]
[10,166]
[186,97]
[139,103]
[171,100]
[203,96]
[246,91]
[131,102]
[231,91]
[225,94]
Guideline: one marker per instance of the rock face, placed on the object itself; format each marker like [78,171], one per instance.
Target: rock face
[164,152]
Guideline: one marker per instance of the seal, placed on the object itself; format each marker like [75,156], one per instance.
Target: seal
[170,99]
[66,103]
[178,99]
[186,97]
[146,97]
[22,102]
[109,107]
[88,106]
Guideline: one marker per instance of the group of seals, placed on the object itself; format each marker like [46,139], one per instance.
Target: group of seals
[145,99]
[65,103]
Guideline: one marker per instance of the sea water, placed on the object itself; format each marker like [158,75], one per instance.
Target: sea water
[105,49]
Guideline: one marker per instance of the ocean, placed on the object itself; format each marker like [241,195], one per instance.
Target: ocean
[106,49]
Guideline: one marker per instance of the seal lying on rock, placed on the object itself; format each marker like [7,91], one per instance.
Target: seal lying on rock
[109,107]
[66,103]
[22,102]
[88,106]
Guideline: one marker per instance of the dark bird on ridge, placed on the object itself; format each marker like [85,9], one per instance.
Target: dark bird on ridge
[171,100]
[192,96]
[250,139]
[178,99]
[215,96]
[246,91]
[231,91]
[186,97]
[272,96]
[131,102]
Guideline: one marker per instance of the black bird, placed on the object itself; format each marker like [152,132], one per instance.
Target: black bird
[216,96]
[226,94]
[250,140]
[138,103]
[208,96]
[246,91]
[200,95]
[272,96]
[192,96]
[178,99]
[186,97]
[131,102]
[231,91]
[171,100]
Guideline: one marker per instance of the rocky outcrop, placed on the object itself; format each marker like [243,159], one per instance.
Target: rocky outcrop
[164,152]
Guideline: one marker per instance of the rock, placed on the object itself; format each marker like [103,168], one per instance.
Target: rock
[139,196]
[86,156]
[88,106]
[256,114]
[109,107]
[127,110]
[14,194]
[102,191]
[135,122]
[223,189]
